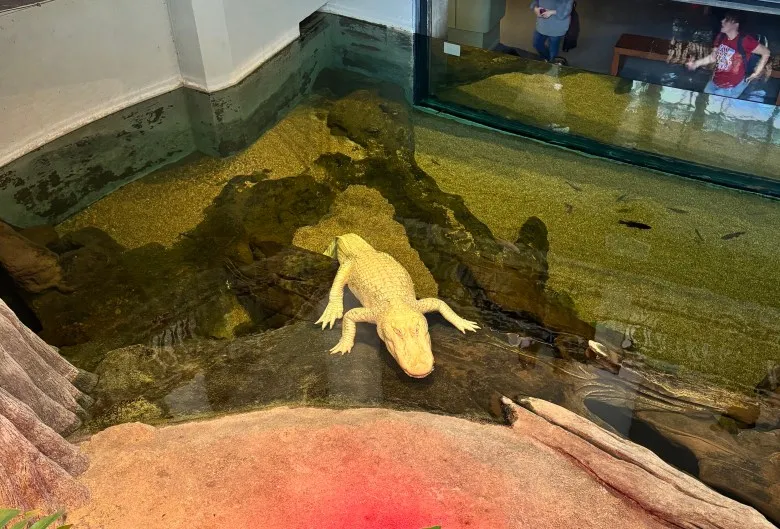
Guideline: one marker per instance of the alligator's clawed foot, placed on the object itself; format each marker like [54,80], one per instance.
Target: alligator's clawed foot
[342,347]
[332,312]
[465,325]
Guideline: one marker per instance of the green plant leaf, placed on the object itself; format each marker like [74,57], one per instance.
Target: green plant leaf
[43,523]
[22,524]
[6,515]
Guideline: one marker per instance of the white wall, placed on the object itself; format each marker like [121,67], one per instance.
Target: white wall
[66,63]
[258,29]
[222,41]
[69,62]
[400,14]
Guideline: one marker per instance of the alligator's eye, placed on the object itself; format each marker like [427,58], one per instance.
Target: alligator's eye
[397,332]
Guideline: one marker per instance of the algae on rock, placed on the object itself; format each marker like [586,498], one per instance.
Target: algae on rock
[364,211]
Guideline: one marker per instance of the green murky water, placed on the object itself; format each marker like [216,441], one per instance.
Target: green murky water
[695,285]
[197,287]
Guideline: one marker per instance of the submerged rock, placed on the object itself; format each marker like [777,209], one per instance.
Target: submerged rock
[286,286]
[43,235]
[33,267]
[771,381]
[131,372]
[378,124]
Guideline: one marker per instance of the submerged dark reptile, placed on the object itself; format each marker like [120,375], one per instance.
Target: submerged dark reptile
[386,291]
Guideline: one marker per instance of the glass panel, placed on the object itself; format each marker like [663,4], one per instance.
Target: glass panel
[653,105]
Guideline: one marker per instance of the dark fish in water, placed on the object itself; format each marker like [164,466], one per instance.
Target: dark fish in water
[569,208]
[678,210]
[622,197]
[635,224]
[698,234]
[732,235]
[624,210]
[574,186]
[434,161]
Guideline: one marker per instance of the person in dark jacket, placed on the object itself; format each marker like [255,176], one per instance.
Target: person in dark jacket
[570,39]
[553,18]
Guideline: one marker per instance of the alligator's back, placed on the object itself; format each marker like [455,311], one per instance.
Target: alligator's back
[376,278]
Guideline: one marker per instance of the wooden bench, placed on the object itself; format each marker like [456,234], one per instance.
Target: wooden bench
[639,46]
[654,49]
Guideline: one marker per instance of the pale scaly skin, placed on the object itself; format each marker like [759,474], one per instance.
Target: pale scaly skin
[386,292]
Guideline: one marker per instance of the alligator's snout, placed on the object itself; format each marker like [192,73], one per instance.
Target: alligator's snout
[415,358]
[405,334]
[420,369]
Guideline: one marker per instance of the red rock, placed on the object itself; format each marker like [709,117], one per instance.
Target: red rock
[631,470]
[367,468]
[37,402]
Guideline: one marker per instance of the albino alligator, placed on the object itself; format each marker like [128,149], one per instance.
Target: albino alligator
[386,292]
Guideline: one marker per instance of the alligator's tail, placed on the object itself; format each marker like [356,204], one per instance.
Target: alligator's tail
[331,251]
[348,246]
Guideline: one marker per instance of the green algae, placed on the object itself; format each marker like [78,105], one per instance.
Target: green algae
[139,410]
[362,210]
[688,297]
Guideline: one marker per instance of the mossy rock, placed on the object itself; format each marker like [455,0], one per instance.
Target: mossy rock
[221,317]
[251,212]
[139,410]
[375,123]
[130,372]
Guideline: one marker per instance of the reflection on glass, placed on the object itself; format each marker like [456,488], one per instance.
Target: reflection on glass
[654,101]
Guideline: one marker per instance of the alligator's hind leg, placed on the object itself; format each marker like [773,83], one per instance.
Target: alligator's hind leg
[335,307]
[437,305]
[349,328]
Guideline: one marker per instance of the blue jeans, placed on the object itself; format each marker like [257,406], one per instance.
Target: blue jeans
[540,42]
[734,91]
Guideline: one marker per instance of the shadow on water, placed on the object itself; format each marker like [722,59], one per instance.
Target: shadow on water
[637,430]
[10,294]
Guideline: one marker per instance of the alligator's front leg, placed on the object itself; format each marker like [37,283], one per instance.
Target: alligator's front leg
[349,328]
[437,305]
[335,307]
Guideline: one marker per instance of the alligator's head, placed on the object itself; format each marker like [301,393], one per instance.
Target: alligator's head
[405,333]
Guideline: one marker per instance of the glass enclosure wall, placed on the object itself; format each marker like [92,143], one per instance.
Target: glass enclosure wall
[621,83]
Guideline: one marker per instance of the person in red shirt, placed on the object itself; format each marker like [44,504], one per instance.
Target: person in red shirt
[730,66]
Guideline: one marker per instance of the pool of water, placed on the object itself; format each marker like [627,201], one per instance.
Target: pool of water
[197,287]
